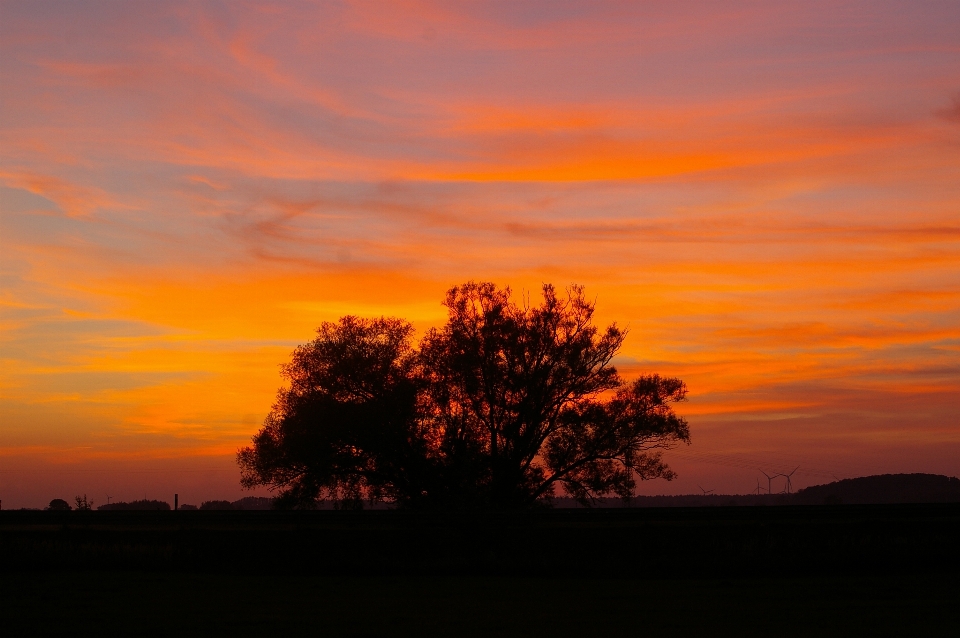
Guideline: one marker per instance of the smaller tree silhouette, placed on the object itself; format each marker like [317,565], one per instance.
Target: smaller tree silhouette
[59,505]
[82,503]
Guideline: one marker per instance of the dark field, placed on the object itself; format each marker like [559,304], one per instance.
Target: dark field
[204,604]
[843,570]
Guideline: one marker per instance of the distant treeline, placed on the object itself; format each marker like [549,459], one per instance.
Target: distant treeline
[867,490]
[247,503]
[141,505]
[879,489]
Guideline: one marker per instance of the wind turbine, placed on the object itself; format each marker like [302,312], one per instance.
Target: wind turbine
[759,489]
[770,478]
[705,492]
[108,499]
[789,482]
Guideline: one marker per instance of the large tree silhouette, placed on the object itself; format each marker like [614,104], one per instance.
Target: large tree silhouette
[494,409]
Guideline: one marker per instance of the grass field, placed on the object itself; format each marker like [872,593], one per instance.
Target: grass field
[192,604]
[797,571]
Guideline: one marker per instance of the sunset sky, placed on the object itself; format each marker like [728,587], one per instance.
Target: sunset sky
[766,194]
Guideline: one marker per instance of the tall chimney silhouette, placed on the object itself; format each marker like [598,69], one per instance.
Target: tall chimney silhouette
[176,502]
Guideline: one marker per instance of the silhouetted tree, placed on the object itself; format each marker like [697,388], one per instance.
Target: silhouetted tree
[82,503]
[347,426]
[524,384]
[496,408]
[59,505]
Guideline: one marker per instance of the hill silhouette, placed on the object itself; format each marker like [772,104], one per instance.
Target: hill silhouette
[884,488]
[866,490]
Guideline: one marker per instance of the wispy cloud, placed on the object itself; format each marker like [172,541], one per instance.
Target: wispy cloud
[766,194]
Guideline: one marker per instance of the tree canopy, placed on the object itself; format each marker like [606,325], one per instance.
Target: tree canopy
[498,408]
[59,505]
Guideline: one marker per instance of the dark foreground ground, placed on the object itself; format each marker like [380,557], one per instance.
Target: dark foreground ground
[792,571]
[202,604]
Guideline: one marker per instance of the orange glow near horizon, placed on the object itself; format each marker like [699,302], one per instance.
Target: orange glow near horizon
[768,196]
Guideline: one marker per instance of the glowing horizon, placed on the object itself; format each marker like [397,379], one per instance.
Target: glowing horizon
[767,195]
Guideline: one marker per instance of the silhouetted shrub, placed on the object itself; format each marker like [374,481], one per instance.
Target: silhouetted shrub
[59,505]
[188,507]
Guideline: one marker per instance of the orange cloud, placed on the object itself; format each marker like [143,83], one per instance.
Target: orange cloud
[767,200]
